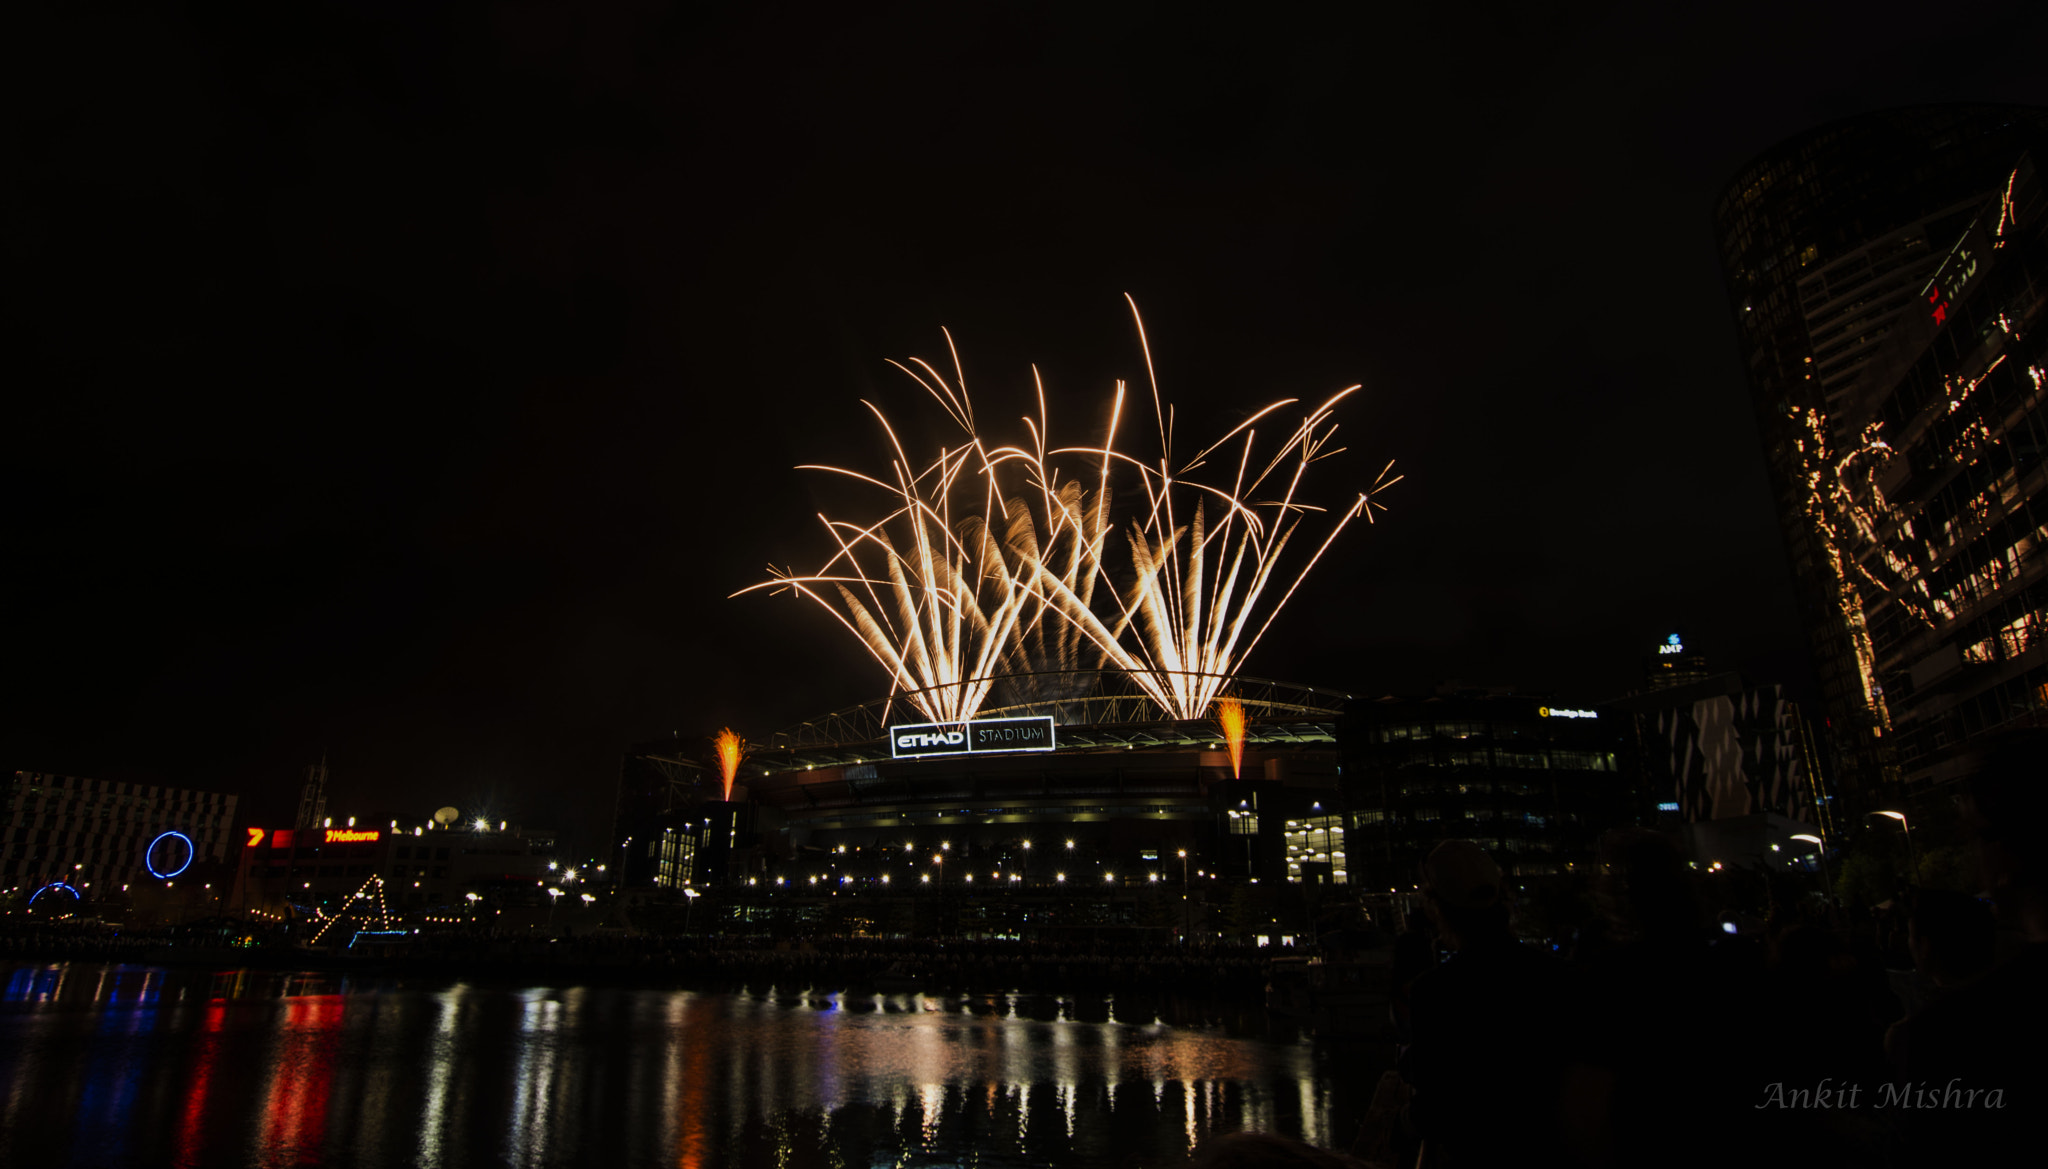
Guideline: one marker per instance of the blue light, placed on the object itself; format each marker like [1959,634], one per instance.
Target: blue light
[190,852]
[1672,640]
[1667,806]
[54,885]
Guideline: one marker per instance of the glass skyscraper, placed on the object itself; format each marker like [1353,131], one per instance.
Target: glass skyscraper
[1887,278]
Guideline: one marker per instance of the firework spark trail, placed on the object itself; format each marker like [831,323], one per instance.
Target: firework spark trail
[729,749]
[936,603]
[1189,624]
[962,594]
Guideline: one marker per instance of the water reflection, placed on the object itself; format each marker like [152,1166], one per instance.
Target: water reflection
[125,1065]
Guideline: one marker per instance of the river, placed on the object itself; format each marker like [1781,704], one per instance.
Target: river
[134,1065]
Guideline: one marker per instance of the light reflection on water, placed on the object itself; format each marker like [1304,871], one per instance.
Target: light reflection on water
[108,1065]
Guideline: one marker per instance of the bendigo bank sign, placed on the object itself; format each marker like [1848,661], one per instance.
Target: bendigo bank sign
[971,738]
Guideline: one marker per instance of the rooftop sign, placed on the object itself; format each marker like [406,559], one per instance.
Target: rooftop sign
[352,835]
[1562,712]
[976,737]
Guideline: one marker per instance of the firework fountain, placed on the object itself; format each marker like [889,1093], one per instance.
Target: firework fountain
[1230,717]
[991,564]
[729,749]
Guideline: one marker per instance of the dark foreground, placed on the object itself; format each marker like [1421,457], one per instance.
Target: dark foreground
[128,1065]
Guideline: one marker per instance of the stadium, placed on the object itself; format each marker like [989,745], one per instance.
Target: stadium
[1090,787]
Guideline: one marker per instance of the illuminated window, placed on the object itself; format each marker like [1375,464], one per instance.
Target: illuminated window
[1317,840]
[2016,637]
[677,857]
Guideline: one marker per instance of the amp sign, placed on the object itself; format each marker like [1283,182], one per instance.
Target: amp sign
[986,736]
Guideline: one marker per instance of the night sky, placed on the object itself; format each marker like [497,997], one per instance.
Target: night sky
[412,385]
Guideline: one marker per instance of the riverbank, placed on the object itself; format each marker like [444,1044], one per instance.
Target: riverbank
[872,965]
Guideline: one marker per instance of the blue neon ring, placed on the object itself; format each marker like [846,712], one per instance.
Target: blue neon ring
[54,885]
[191,850]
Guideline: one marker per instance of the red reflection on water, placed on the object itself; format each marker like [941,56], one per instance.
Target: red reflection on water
[196,1082]
[301,1073]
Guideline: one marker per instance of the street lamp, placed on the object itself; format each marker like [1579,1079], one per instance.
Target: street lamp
[689,907]
[1820,849]
[1911,862]
[1185,906]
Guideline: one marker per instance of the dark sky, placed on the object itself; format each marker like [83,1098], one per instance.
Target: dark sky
[412,384]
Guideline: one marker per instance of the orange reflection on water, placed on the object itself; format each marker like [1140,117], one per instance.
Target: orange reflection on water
[693,1098]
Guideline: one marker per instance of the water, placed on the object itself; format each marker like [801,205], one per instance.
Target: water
[129,1065]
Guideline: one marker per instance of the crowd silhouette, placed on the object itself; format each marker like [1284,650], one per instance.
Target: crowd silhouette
[1660,1035]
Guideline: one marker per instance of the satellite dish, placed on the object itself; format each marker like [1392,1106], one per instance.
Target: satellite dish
[447,816]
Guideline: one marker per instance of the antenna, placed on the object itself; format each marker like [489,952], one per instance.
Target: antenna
[313,795]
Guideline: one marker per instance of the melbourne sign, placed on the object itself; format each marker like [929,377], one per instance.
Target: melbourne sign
[983,736]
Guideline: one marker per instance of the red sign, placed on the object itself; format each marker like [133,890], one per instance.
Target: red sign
[282,838]
[352,835]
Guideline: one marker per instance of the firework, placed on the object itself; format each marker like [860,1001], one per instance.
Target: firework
[1197,587]
[990,564]
[927,589]
[1230,716]
[729,749]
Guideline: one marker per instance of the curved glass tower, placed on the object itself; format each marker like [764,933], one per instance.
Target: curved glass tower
[1892,481]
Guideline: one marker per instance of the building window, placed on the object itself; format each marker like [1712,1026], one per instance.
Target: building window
[677,859]
[1318,841]
[2016,637]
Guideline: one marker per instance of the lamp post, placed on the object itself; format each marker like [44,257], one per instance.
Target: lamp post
[1184,906]
[689,907]
[1912,862]
[1820,849]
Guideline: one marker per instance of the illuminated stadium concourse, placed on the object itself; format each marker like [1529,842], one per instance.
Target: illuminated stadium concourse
[1082,784]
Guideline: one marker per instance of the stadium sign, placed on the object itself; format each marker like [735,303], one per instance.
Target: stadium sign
[975,737]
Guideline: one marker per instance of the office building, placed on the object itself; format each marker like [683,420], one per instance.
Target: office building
[97,836]
[424,865]
[1533,781]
